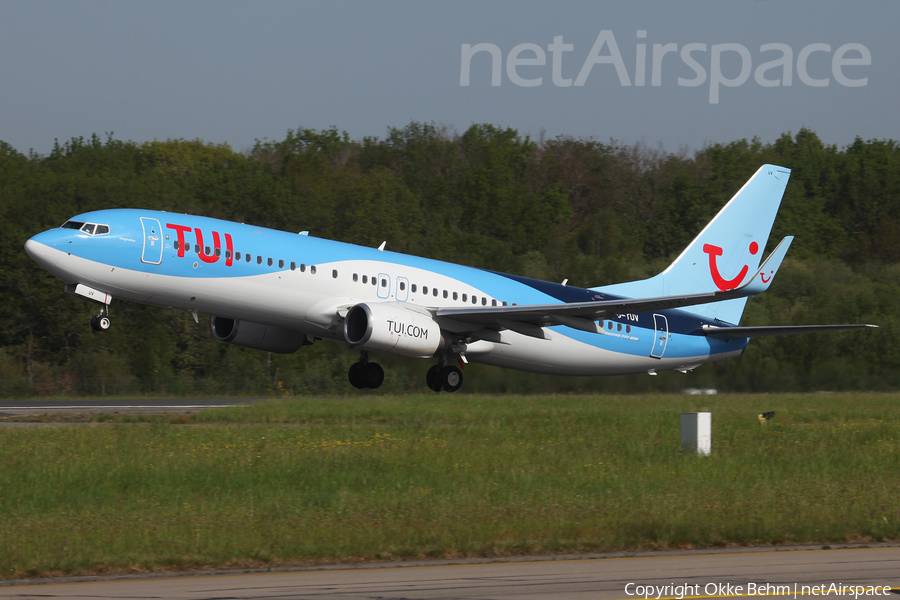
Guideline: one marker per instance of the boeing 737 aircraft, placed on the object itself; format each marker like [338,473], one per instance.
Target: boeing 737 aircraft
[278,291]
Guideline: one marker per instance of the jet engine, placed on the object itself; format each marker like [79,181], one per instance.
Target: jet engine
[259,337]
[392,329]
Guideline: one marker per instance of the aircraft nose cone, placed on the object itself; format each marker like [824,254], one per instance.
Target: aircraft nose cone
[39,252]
[33,248]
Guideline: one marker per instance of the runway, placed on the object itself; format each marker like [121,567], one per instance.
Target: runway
[18,407]
[714,574]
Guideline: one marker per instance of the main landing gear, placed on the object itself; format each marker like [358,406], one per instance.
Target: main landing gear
[101,322]
[440,377]
[365,374]
[444,377]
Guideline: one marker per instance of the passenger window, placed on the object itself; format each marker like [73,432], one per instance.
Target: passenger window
[269,261]
[228,254]
[504,303]
[293,266]
[237,256]
[197,248]
[455,295]
[302,267]
[384,283]
[445,293]
[493,303]
[424,289]
[414,289]
[618,327]
[474,299]
[355,277]
[175,244]
[218,252]
[374,280]
[365,279]
[280,264]
[465,297]
[628,329]
[334,274]
[248,257]
[206,251]
[258,259]
[434,293]
[484,302]
[312,269]
[402,286]
[609,325]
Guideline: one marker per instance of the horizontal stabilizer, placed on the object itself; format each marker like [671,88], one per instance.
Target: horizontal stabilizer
[733,333]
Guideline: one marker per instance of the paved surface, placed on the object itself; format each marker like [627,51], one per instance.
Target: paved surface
[34,407]
[709,574]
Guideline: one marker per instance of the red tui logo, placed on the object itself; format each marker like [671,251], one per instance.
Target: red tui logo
[722,283]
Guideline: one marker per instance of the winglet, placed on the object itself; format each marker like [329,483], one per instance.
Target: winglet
[766,273]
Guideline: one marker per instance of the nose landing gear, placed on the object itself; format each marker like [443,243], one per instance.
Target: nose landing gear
[101,322]
[364,374]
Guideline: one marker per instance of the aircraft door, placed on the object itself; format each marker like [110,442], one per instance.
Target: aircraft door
[153,244]
[384,286]
[660,337]
[402,293]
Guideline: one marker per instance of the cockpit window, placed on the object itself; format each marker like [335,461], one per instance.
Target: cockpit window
[88,228]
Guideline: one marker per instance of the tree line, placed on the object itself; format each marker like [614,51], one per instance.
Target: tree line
[591,212]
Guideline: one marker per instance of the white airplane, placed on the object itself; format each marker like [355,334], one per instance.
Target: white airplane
[278,291]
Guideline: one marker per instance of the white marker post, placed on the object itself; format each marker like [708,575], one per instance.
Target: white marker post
[696,432]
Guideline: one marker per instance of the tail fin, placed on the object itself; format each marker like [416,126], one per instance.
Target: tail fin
[725,254]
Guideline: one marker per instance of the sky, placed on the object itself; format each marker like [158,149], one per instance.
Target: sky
[678,75]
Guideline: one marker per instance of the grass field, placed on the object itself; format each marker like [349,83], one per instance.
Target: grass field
[294,481]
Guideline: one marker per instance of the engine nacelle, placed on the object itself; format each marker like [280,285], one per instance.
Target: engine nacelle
[259,337]
[392,329]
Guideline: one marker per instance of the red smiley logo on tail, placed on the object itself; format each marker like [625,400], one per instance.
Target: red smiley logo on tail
[722,283]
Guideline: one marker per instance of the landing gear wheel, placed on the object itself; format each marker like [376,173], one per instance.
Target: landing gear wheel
[452,378]
[364,374]
[100,323]
[373,375]
[433,379]
[355,375]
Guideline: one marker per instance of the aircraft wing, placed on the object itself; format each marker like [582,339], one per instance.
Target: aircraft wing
[582,315]
[579,315]
[729,333]
[528,319]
